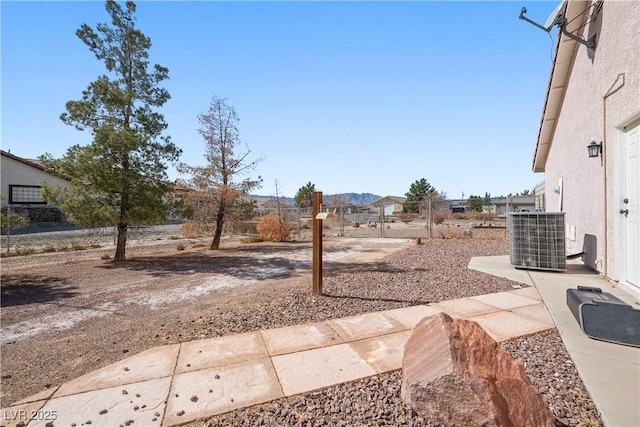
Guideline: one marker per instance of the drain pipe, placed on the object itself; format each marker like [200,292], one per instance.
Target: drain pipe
[610,92]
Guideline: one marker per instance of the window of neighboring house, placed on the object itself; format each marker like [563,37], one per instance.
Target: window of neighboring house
[26,194]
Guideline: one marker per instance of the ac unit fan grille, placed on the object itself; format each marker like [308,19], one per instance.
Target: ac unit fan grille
[537,241]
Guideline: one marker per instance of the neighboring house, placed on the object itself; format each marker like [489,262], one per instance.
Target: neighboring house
[516,204]
[391,205]
[21,185]
[593,95]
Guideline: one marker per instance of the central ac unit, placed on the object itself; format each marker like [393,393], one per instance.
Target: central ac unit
[537,240]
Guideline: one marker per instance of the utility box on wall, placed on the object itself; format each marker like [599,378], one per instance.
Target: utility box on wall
[537,240]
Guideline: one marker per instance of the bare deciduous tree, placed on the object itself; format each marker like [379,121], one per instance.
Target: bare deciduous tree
[221,186]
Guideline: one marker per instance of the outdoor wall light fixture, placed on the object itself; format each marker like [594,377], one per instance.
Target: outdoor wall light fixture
[594,149]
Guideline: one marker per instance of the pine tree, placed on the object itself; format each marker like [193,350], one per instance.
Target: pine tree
[120,178]
[304,196]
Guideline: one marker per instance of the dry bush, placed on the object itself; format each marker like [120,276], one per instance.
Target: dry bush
[439,218]
[273,228]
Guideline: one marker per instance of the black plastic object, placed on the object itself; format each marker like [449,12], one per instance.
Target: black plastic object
[604,317]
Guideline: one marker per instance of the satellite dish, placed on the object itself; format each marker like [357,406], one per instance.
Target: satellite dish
[557,13]
[557,17]
[554,18]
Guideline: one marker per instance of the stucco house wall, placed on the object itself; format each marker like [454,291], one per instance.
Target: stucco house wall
[17,171]
[584,186]
[392,205]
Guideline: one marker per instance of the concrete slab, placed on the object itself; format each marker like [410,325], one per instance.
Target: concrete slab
[383,353]
[157,362]
[143,403]
[21,414]
[365,326]
[464,307]
[504,325]
[410,316]
[614,353]
[505,300]
[299,338]
[500,266]
[610,372]
[220,351]
[614,386]
[319,368]
[221,389]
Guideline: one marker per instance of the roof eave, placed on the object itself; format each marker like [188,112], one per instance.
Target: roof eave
[563,61]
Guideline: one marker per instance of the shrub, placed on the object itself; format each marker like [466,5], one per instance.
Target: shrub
[273,228]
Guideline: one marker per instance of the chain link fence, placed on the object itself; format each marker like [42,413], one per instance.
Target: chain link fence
[27,230]
[366,222]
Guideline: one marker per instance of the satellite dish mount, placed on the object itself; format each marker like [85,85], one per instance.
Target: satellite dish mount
[558,17]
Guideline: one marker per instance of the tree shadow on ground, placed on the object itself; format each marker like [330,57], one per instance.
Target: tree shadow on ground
[336,267]
[23,289]
[239,266]
[362,298]
[254,262]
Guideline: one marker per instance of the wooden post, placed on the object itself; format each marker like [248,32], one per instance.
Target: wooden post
[317,243]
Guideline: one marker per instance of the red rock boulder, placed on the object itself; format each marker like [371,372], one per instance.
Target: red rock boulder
[454,373]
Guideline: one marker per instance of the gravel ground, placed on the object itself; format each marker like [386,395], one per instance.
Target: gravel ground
[376,401]
[431,272]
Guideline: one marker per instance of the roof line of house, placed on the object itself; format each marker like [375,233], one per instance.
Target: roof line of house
[565,55]
[23,160]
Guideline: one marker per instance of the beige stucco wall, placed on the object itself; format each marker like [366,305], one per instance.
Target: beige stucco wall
[13,172]
[582,120]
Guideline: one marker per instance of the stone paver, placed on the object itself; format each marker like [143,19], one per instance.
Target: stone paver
[319,368]
[529,292]
[43,395]
[464,307]
[111,406]
[23,413]
[505,300]
[536,312]
[220,351]
[299,338]
[225,388]
[207,377]
[383,353]
[410,316]
[504,325]
[154,363]
[365,326]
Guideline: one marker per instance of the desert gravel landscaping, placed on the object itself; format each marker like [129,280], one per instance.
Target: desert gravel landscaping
[62,318]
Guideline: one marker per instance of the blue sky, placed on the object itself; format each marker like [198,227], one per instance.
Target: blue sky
[352,96]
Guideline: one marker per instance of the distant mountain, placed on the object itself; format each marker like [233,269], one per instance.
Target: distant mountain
[356,199]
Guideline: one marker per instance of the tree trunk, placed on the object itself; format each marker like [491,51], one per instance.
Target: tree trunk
[217,234]
[122,242]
